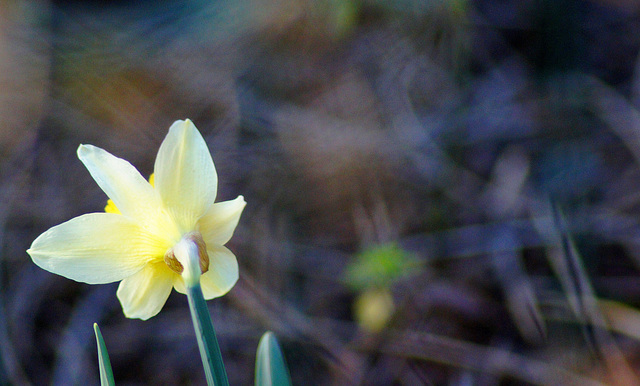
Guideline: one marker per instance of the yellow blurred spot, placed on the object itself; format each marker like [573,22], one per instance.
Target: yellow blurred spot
[373,309]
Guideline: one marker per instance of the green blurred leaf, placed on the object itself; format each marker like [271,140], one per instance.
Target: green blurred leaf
[379,266]
[106,374]
[271,368]
[344,15]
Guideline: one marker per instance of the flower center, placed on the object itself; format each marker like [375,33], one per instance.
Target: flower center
[196,238]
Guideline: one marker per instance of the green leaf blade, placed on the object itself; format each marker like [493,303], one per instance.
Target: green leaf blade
[106,374]
[271,367]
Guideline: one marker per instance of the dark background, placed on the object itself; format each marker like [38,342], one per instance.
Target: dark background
[478,161]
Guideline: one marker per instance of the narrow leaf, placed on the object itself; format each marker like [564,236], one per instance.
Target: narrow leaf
[271,367]
[106,375]
[207,342]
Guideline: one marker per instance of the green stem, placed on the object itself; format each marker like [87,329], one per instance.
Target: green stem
[207,342]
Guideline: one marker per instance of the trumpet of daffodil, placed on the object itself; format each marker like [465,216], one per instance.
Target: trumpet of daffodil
[154,236]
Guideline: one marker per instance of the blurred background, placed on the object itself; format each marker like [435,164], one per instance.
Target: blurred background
[439,192]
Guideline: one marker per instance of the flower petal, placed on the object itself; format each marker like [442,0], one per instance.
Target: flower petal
[221,276]
[218,224]
[96,248]
[185,176]
[130,192]
[143,294]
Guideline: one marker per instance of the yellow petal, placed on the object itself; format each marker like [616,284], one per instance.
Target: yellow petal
[185,176]
[130,192]
[221,276]
[218,224]
[142,295]
[96,248]
[111,206]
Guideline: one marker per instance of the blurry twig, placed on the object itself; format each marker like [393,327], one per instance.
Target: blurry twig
[449,351]
[519,291]
[284,319]
[617,317]
[622,117]
[15,174]
[568,265]
[72,365]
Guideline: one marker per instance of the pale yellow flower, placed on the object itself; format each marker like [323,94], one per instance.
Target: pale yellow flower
[136,240]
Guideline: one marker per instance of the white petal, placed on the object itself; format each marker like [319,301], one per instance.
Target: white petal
[131,193]
[143,294]
[185,176]
[218,224]
[221,276]
[96,248]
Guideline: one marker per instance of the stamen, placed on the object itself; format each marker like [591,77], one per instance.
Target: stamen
[172,262]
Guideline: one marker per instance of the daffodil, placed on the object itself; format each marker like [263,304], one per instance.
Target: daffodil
[154,236]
